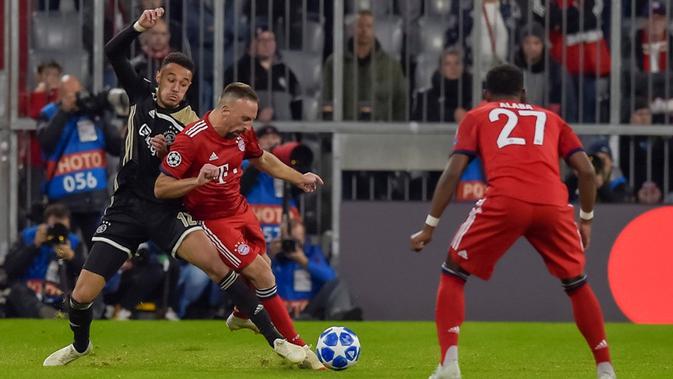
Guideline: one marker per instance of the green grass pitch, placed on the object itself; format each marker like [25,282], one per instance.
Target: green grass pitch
[205,349]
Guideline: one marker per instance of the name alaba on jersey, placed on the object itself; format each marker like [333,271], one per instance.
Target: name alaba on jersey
[520,146]
[199,144]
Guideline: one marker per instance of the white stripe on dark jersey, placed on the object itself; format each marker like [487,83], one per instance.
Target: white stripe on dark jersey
[130,134]
[171,120]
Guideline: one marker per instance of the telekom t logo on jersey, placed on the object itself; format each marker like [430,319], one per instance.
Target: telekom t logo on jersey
[223,171]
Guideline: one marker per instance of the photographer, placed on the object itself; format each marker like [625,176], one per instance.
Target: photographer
[75,140]
[611,186]
[36,277]
[306,282]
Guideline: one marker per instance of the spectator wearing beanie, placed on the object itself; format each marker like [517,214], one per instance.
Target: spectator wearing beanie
[544,79]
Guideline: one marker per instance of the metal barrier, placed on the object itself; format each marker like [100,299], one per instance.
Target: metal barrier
[5,133]
[312,42]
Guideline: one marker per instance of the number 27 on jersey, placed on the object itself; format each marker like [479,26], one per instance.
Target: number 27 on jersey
[504,138]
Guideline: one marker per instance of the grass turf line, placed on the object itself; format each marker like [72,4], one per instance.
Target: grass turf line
[199,349]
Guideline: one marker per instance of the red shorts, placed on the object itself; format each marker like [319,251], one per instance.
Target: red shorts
[494,224]
[238,238]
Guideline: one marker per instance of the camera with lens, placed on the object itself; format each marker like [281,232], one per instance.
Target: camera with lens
[598,164]
[287,247]
[57,234]
[114,99]
[142,255]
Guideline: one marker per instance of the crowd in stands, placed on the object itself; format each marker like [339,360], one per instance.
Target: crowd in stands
[402,61]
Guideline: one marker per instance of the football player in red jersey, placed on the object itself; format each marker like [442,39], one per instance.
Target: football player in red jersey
[520,145]
[204,167]
[135,215]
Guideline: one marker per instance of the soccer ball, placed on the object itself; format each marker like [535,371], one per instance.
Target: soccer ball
[338,348]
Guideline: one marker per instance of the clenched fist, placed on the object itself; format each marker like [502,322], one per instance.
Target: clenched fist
[207,173]
[310,182]
[150,17]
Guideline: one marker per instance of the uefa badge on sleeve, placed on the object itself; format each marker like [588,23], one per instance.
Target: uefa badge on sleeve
[174,159]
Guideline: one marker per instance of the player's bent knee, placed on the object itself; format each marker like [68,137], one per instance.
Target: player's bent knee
[572,284]
[199,251]
[213,266]
[267,259]
[259,273]
[450,268]
[88,286]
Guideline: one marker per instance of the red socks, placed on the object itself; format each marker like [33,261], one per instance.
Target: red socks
[449,311]
[450,314]
[279,316]
[589,320]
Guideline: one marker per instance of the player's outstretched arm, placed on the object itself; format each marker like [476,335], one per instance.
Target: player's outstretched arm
[586,177]
[168,187]
[440,199]
[117,47]
[273,166]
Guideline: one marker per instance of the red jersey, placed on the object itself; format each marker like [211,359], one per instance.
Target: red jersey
[199,144]
[520,145]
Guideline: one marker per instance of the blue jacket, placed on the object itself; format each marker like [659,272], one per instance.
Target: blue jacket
[38,268]
[296,283]
[267,206]
[78,163]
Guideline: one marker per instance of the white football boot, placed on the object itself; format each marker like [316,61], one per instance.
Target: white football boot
[236,323]
[449,369]
[311,362]
[66,355]
[289,351]
[604,370]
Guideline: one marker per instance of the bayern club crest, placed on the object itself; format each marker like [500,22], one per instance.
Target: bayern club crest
[241,144]
[242,248]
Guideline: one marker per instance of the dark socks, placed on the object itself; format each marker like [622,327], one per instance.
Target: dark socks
[276,308]
[246,301]
[81,316]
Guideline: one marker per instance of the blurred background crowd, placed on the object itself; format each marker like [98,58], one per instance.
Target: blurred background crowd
[387,66]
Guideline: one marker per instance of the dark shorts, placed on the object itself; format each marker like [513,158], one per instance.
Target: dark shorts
[129,221]
[494,224]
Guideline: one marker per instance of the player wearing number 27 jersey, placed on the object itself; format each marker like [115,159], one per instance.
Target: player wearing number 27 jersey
[520,146]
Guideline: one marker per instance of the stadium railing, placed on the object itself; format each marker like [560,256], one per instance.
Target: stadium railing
[415,33]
